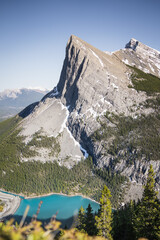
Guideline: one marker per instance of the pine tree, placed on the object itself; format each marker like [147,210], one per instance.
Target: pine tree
[90,221]
[81,220]
[104,219]
[122,223]
[147,221]
[130,232]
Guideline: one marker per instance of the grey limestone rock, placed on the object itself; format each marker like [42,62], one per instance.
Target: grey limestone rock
[140,55]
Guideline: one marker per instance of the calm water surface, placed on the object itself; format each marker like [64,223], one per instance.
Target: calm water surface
[66,206]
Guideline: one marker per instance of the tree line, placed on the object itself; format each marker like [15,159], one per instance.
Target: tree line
[131,222]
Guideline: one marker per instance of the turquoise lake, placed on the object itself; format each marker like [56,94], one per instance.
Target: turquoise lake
[66,206]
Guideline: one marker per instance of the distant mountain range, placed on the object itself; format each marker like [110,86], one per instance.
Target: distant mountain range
[12,101]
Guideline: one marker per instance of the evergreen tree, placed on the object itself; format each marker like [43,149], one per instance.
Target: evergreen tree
[81,220]
[90,221]
[104,219]
[147,221]
[130,232]
[122,226]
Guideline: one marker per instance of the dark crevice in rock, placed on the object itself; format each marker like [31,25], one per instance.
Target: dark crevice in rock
[71,94]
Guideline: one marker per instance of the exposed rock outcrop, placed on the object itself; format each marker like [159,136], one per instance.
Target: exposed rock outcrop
[143,57]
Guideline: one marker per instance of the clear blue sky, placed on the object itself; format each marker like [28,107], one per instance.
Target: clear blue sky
[34,33]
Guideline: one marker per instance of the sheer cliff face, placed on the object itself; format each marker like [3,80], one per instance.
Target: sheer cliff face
[92,83]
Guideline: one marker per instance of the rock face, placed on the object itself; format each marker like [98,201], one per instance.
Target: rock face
[92,83]
[143,57]
[49,119]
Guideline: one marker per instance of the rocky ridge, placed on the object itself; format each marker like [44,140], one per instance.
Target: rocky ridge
[140,55]
[92,83]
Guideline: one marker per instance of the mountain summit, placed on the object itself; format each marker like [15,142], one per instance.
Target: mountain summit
[105,105]
[140,55]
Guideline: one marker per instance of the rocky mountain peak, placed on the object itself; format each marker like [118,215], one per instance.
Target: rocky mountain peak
[142,48]
[133,43]
[85,73]
[141,56]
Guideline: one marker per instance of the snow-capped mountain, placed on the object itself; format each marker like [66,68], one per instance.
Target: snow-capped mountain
[13,101]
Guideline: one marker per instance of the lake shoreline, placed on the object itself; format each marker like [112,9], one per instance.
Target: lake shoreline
[13,206]
[33,195]
[63,194]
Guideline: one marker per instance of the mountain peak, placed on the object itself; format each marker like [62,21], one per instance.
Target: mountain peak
[74,39]
[141,56]
[133,43]
[139,46]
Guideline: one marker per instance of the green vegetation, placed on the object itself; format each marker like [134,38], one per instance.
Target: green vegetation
[81,220]
[42,141]
[130,138]
[122,227]
[114,182]
[90,222]
[144,81]
[12,143]
[100,224]
[142,219]
[8,126]
[41,178]
[147,216]
[104,218]
[86,221]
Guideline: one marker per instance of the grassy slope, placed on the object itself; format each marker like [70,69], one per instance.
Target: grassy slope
[144,81]
[7,126]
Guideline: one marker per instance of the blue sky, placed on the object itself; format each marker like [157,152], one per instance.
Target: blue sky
[34,33]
